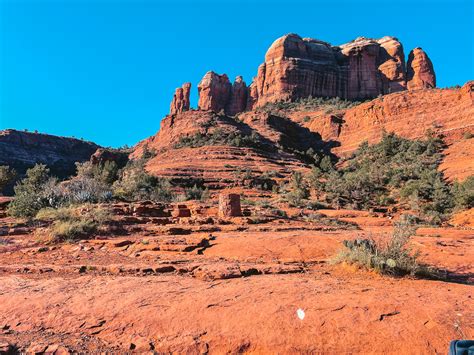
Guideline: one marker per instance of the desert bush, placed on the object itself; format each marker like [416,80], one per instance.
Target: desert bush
[7,177]
[136,184]
[468,135]
[105,173]
[463,193]
[394,170]
[296,192]
[394,257]
[310,103]
[81,189]
[73,222]
[32,193]
[194,193]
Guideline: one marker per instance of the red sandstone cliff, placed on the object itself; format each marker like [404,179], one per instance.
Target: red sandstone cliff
[296,67]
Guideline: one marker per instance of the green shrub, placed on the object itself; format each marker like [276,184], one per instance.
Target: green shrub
[394,257]
[105,173]
[33,192]
[194,193]
[394,170]
[463,193]
[296,192]
[310,103]
[73,222]
[7,177]
[136,184]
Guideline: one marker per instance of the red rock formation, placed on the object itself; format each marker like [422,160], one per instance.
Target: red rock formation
[392,69]
[238,97]
[229,205]
[298,67]
[410,114]
[180,100]
[102,155]
[214,92]
[214,164]
[420,72]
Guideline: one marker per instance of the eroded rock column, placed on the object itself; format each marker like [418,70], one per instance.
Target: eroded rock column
[229,205]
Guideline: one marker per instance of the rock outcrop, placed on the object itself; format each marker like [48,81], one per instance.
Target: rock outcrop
[229,205]
[103,155]
[216,93]
[22,150]
[420,72]
[238,97]
[411,114]
[180,100]
[298,67]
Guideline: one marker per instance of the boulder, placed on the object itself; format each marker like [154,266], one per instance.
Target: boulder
[149,209]
[420,72]
[103,155]
[180,100]
[181,211]
[229,205]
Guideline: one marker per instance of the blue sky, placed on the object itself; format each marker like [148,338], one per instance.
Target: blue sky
[106,70]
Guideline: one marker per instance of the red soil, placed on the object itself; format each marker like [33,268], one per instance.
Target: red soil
[231,286]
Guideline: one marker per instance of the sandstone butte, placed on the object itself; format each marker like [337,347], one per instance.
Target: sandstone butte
[298,67]
[401,97]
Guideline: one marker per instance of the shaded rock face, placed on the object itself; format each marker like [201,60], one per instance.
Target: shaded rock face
[298,67]
[180,100]
[229,205]
[22,150]
[420,72]
[238,97]
[103,155]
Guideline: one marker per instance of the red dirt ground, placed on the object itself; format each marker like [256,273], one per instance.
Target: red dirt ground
[231,286]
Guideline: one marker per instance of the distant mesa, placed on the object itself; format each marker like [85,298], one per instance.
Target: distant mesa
[296,68]
[22,150]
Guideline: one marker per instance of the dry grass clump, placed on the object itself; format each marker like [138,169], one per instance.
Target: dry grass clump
[73,222]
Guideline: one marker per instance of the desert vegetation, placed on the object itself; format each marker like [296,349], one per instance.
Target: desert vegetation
[73,222]
[393,255]
[220,137]
[396,172]
[310,103]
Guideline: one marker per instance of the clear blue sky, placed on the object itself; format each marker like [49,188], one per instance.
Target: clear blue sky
[106,70]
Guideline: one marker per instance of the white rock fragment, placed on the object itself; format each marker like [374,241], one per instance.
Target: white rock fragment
[300,313]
